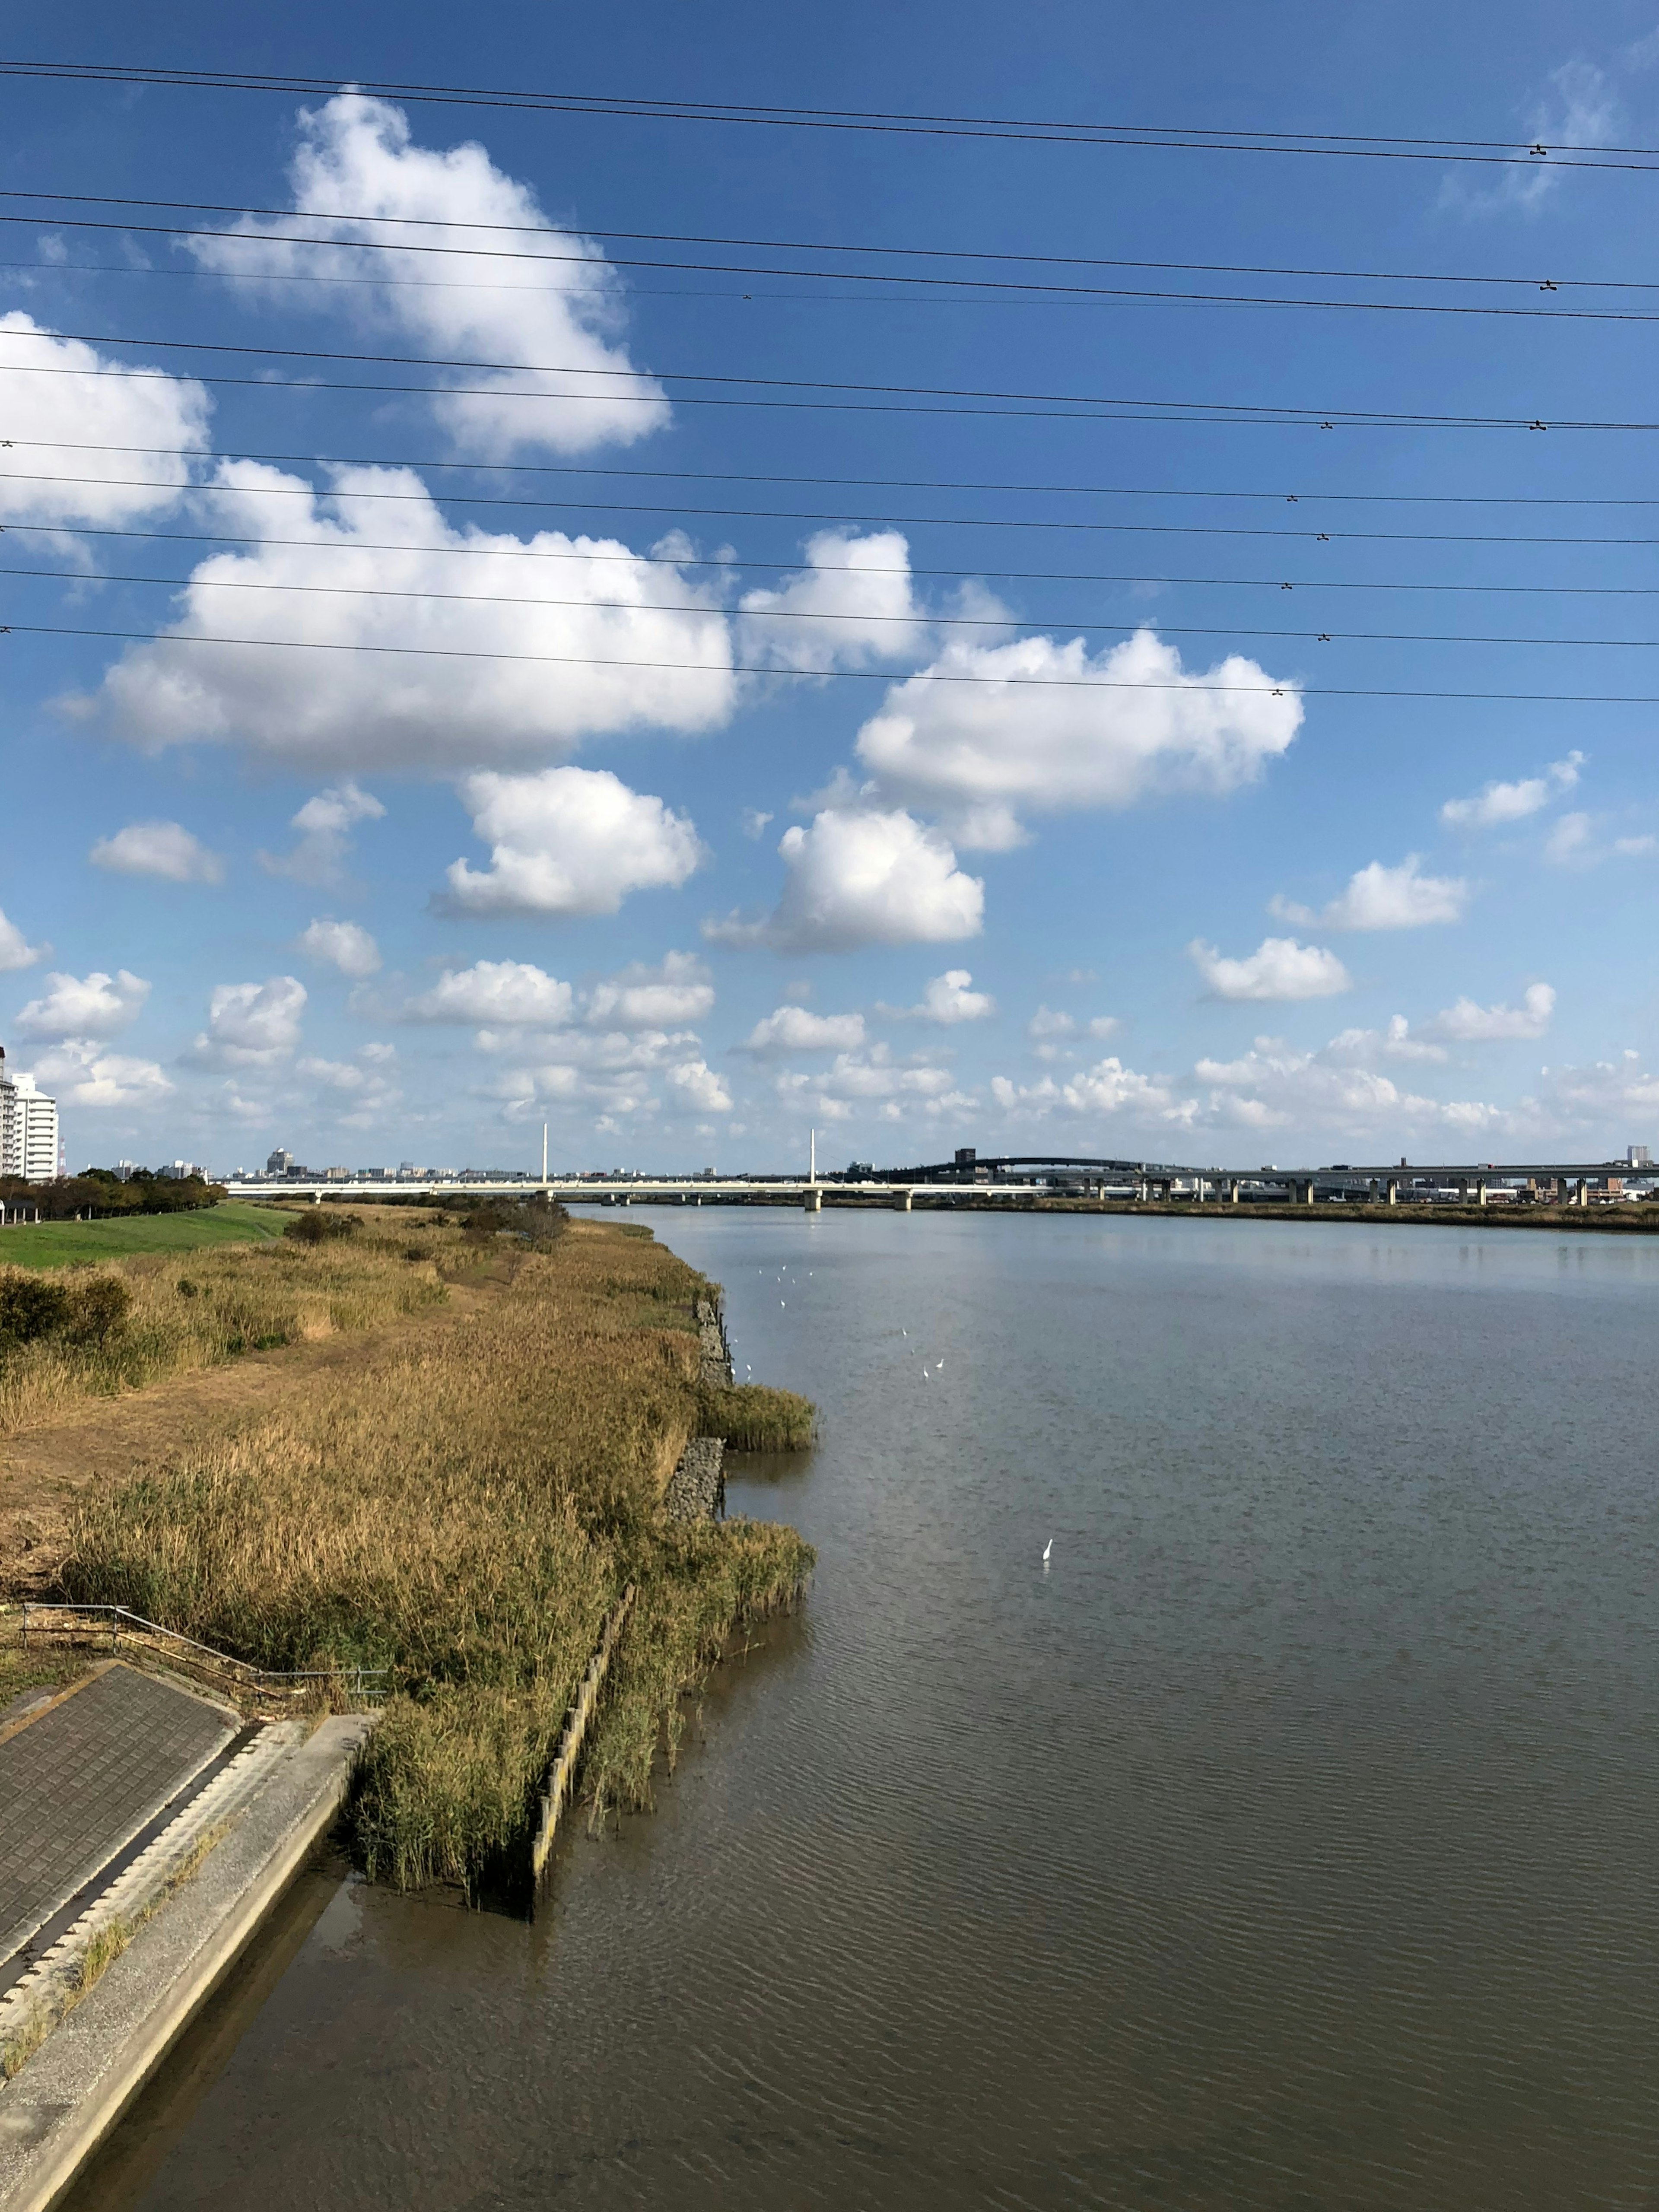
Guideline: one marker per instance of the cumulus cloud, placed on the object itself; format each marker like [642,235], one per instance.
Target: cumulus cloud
[864,878]
[1468,1024]
[872,1082]
[791,1029]
[1107,1089]
[851,605]
[676,990]
[97,412]
[325,825]
[571,840]
[1574,843]
[1496,804]
[15,951]
[563,317]
[1379,897]
[1360,1047]
[698,1088]
[947,1000]
[511,993]
[1280,967]
[754,822]
[523,656]
[358,1091]
[346,946]
[165,849]
[1273,1087]
[614,1070]
[1113,728]
[80,1072]
[94,1006]
[253,1024]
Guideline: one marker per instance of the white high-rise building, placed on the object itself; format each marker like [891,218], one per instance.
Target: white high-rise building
[28,1128]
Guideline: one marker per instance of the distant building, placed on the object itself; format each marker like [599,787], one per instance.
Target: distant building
[280,1162]
[28,1128]
[1638,1156]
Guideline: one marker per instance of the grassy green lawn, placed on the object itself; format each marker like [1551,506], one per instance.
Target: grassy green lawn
[56,1243]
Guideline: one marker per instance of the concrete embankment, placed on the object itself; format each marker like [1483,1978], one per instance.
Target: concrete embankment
[205,1894]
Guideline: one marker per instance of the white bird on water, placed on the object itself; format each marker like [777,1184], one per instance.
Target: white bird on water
[1046,1548]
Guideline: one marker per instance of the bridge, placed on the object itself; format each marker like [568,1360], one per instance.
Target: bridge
[1014,1176]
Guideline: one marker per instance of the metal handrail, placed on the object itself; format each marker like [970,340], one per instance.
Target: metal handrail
[117,1613]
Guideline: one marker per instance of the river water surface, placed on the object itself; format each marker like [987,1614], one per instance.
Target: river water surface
[1289,1842]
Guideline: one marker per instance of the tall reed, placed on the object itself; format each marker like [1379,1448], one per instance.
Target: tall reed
[464,1513]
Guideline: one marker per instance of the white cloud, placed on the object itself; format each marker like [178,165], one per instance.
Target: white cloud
[754,822]
[642,998]
[571,840]
[1496,804]
[1468,1023]
[346,946]
[527,656]
[79,1073]
[864,878]
[577,1068]
[94,1006]
[1273,1087]
[15,951]
[562,317]
[791,1029]
[253,1024]
[1280,967]
[1108,1088]
[871,1081]
[98,413]
[1579,109]
[699,1090]
[986,747]
[1574,843]
[1359,1047]
[511,993]
[158,848]
[1047,1023]
[360,1090]
[851,605]
[949,999]
[1379,897]
[325,825]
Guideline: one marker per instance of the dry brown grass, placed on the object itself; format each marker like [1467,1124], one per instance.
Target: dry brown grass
[464,1515]
[197,1308]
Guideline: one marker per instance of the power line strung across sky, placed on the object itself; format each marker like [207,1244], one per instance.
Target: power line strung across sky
[942,291]
[1001,257]
[76,531]
[1266,688]
[1177,137]
[862,518]
[1061,406]
[913,621]
[856,483]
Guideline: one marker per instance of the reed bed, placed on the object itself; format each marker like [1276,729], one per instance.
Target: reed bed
[199,1309]
[464,1513]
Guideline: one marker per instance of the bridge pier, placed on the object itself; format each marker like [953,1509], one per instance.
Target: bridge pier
[1232,1191]
[1393,1190]
[1480,1191]
[904,1201]
[811,1199]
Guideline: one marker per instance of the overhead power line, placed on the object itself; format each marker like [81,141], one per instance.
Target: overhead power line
[1267,689]
[916,621]
[1069,406]
[1278,496]
[863,518]
[516,552]
[999,256]
[1186,138]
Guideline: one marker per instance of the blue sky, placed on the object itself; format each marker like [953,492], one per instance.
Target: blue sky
[793,788]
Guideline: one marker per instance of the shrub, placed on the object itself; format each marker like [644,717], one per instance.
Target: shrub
[751,1417]
[320,1227]
[30,1307]
[96,1308]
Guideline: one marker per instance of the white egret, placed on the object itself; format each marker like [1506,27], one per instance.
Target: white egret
[1046,1548]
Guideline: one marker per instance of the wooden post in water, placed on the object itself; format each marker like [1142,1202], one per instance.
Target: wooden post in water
[562,1774]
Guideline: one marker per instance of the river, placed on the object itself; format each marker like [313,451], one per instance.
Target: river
[1288,1841]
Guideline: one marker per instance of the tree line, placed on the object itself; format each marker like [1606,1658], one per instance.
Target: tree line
[99,1193]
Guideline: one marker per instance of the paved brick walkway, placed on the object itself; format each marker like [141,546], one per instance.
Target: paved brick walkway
[80,1782]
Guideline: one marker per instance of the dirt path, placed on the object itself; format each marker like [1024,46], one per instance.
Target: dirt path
[42,1469]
